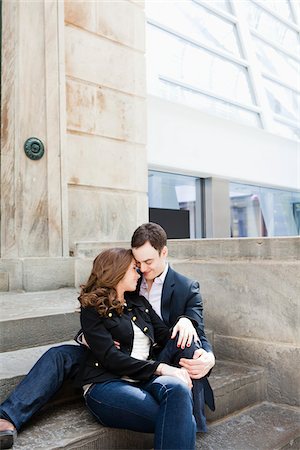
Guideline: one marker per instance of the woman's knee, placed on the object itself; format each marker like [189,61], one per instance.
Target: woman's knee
[174,385]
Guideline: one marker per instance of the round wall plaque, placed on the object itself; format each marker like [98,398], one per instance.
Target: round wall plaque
[34,148]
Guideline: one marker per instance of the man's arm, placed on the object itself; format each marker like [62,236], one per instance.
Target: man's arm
[203,359]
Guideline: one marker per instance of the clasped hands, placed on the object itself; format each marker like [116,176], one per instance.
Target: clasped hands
[202,361]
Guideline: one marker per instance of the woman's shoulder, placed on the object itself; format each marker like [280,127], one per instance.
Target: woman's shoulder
[134,299]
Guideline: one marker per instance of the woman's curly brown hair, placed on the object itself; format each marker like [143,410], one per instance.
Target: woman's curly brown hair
[109,267]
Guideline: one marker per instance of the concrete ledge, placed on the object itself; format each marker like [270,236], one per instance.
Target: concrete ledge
[275,248]
[37,274]
[90,249]
[33,319]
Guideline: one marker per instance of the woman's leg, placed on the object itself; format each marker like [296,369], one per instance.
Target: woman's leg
[41,383]
[175,427]
[162,406]
[121,404]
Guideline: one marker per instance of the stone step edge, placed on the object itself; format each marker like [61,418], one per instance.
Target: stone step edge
[81,431]
[27,305]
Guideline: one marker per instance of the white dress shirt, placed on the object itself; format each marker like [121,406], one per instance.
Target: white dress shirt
[154,295]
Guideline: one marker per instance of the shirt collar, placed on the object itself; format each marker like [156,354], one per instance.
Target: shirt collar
[161,278]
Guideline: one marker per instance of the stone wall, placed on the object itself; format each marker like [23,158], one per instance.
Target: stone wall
[73,75]
[106,135]
[251,292]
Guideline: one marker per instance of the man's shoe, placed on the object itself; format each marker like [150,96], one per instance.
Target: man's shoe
[7,438]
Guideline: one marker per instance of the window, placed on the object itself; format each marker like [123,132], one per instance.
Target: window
[175,198]
[259,211]
[197,54]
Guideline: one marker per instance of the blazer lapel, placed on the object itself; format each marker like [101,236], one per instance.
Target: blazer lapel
[167,291]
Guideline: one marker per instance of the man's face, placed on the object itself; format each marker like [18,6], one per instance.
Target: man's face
[150,262]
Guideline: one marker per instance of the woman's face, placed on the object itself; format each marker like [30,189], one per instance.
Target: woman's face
[130,279]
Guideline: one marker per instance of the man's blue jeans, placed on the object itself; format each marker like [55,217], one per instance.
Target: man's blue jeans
[41,383]
[163,406]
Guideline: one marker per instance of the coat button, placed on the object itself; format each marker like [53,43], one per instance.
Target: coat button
[145,329]
[134,318]
[146,310]
[109,314]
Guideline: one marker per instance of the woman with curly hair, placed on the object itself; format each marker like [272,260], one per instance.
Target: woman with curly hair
[123,386]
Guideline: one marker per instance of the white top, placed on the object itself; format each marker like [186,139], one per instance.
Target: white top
[140,348]
[154,295]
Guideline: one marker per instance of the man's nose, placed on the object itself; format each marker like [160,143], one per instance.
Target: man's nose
[142,267]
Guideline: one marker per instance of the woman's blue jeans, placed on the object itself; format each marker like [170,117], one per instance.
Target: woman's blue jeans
[162,405]
[41,383]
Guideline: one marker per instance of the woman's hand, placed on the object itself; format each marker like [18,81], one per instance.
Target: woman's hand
[181,373]
[186,331]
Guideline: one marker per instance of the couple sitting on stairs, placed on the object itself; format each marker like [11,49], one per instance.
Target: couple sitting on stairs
[144,358]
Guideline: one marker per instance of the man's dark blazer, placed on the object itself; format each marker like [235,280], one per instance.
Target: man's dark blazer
[181,298]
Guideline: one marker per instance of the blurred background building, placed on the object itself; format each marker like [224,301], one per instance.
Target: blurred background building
[185,112]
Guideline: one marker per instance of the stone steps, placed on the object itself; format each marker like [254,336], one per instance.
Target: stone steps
[235,385]
[266,426]
[30,319]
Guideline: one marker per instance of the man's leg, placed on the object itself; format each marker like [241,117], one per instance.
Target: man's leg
[171,354]
[41,383]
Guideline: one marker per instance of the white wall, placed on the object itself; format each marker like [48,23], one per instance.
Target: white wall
[184,140]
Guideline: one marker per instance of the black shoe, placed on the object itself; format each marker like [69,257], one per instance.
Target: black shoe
[7,438]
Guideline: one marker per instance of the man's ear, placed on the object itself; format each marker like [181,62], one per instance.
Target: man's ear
[164,251]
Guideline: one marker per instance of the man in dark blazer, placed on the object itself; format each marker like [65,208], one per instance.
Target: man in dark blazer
[171,294]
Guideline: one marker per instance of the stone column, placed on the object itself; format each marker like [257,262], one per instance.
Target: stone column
[106,119]
[32,100]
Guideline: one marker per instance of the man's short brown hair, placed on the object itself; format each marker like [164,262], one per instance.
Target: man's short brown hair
[151,232]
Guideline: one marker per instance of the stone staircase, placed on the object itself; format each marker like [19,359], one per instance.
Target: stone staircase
[31,322]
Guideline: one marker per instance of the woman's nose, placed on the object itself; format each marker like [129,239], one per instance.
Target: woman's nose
[138,271]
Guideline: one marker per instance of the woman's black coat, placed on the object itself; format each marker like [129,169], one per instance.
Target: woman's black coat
[104,361]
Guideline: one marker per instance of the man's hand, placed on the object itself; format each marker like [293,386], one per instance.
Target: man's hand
[186,331]
[200,365]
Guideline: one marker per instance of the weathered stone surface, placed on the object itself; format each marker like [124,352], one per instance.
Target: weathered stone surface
[281,362]
[81,13]
[4,281]
[104,62]
[15,364]
[105,112]
[112,214]
[14,267]
[47,273]
[33,319]
[30,190]
[250,299]
[73,427]
[274,248]
[265,427]
[90,249]
[253,307]
[235,387]
[98,161]
[123,22]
